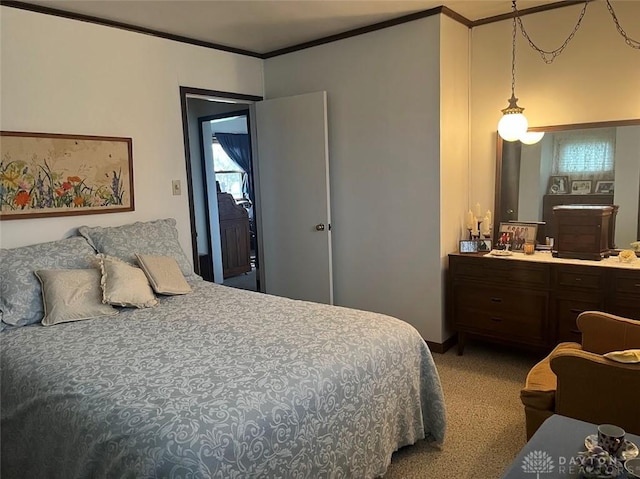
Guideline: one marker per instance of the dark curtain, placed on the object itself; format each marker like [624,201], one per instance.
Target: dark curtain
[237,147]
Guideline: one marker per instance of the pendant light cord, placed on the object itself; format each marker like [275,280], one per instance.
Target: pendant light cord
[628,40]
[549,56]
[513,52]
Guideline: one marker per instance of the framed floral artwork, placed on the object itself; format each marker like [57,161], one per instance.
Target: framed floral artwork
[44,175]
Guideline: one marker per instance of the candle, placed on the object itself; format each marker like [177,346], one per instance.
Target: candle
[470,220]
[486,226]
[488,217]
[478,212]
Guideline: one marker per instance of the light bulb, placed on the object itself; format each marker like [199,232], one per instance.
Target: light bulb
[512,126]
[531,137]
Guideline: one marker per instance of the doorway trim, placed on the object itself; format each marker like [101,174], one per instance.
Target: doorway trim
[185,92]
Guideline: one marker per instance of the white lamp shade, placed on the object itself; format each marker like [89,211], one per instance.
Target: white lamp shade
[531,137]
[512,126]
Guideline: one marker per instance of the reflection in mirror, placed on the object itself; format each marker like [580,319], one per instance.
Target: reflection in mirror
[589,163]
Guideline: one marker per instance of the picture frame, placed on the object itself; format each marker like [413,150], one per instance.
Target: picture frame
[581,187]
[468,246]
[604,187]
[504,240]
[50,174]
[558,185]
[484,245]
[516,234]
[475,246]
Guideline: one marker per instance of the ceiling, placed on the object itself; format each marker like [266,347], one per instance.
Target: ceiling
[263,26]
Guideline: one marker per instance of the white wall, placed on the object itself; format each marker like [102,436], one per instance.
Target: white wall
[595,79]
[454,143]
[384,139]
[65,76]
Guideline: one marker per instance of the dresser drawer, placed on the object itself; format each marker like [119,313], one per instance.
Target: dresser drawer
[578,278]
[628,284]
[500,271]
[510,313]
[567,311]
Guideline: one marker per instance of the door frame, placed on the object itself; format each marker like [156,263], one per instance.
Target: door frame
[185,92]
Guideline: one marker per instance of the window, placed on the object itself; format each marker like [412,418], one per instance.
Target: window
[585,153]
[229,175]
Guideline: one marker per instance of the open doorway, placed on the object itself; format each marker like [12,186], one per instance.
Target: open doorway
[292,211]
[227,138]
[215,250]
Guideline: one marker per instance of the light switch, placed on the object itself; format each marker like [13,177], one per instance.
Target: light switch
[176,188]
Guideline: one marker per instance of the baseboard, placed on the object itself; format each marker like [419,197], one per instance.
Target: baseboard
[442,347]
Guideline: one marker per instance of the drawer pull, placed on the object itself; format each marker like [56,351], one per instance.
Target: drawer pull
[575,331]
[578,279]
[577,311]
[496,300]
[496,319]
[637,285]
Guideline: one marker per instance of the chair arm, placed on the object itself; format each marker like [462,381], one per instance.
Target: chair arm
[597,390]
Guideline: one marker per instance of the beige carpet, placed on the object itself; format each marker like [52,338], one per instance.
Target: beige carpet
[485,419]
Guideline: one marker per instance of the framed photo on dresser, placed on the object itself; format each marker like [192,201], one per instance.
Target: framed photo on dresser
[520,233]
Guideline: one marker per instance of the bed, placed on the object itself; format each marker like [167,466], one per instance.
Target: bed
[216,383]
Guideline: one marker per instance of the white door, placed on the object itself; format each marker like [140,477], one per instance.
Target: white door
[293,187]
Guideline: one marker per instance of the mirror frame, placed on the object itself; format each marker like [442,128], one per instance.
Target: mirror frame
[497,217]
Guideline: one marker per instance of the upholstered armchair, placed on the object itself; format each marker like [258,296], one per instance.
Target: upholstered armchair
[577,381]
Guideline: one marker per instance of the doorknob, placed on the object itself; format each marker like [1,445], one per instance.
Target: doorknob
[320,227]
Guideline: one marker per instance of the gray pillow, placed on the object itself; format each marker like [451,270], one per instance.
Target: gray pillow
[20,291]
[159,238]
[72,295]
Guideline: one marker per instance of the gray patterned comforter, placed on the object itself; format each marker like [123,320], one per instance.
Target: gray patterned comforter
[219,383]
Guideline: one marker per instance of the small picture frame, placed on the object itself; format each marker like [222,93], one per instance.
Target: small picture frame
[475,246]
[581,187]
[604,187]
[558,185]
[468,246]
[520,233]
[484,245]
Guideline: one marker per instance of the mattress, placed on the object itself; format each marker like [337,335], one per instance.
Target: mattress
[218,383]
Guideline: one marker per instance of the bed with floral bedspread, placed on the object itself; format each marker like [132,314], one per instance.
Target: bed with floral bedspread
[217,383]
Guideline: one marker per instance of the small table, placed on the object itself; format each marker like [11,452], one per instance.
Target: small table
[559,438]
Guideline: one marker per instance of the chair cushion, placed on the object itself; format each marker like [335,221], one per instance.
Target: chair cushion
[540,386]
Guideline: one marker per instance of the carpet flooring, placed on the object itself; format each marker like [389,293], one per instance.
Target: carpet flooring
[485,419]
[243,281]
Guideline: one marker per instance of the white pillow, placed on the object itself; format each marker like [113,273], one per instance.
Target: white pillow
[72,295]
[124,285]
[625,356]
[163,273]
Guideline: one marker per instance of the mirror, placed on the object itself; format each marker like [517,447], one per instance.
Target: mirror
[524,191]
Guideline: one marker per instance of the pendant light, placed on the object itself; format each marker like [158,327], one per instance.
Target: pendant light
[513,124]
[531,137]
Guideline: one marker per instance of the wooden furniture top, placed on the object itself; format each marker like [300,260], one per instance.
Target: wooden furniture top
[546,257]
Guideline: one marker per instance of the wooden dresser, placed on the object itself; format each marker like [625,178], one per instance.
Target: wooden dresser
[533,301]
[235,237]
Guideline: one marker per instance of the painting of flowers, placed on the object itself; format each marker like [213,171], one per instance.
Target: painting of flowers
[56,175]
